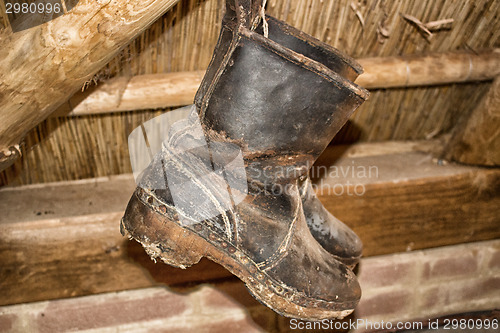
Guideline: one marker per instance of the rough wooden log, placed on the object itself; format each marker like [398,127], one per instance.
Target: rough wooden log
[135,93]
[432,69]
[60,240]
[41,67]
[176,89]
[477,140]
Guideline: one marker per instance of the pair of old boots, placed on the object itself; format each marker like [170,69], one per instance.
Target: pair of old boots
[231,180]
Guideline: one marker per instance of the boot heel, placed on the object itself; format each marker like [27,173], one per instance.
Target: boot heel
[161,238]
[178,249]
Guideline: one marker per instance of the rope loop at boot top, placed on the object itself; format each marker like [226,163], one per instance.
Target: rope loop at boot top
[265,26]
[247,13]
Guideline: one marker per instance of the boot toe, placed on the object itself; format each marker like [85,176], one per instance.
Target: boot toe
[333,235]
[343,241]
[320,279]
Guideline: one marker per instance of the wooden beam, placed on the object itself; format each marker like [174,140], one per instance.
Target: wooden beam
[408,201]
[135,93]
[41,67]
[60,240]
[176,89]
[428,70]
[477,140]
[63,239]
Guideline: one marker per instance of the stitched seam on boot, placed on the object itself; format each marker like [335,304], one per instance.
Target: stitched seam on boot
[280,252]
[305,186]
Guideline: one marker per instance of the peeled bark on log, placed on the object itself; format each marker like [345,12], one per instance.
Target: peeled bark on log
[477,141]
[178,89]
[43,66]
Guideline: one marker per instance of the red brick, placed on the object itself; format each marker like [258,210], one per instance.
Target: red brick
[215,298]
[384,303]
[460,292]
[484,288]
[380,272]
[95,312]
[191,324]
[226,326]
[452,266]
[6,321]
[237,291]
[216,322]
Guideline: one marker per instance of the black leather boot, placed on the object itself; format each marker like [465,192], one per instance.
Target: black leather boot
[335,237]
[329,231]
[278,109]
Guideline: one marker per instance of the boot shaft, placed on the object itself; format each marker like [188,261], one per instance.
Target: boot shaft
[280,106]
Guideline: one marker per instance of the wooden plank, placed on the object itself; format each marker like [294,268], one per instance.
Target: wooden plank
[81,255]
[65,199]
[176,89]
[477,140]
[60,240]
[408,201]
[43,64]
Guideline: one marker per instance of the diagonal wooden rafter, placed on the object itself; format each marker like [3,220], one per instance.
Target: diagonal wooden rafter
[41,67]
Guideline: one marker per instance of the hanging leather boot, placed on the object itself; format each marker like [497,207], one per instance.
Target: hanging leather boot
[278,110]
[335,237]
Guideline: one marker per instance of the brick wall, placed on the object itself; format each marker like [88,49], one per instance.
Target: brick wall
[431,283]
[143,310]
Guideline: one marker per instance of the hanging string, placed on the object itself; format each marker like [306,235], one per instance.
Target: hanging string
[265,27]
